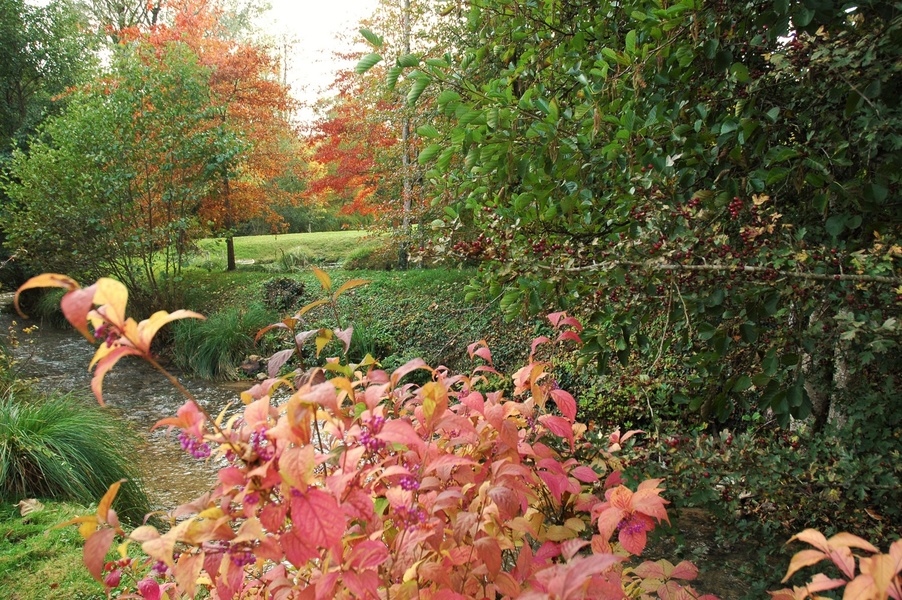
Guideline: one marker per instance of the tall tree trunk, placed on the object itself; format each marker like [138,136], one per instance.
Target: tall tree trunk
[230,240]
[407,189]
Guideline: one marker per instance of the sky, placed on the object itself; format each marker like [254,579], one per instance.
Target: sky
[314,26]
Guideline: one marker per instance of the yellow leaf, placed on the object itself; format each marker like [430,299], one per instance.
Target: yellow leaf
[112,295]
[559,533]
[323,338]
[350,284]
[324,279]
[45,280]
[759,199]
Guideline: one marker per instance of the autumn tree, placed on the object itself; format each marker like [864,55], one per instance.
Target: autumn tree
[354,148]
[249,109]
[113,185]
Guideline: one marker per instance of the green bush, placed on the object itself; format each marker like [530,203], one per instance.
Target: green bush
[60,447]
[214,348]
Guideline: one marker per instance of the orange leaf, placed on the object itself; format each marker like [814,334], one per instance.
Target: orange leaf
[105,364]
[349,285]
[103,507]
[803,559]
[45,280]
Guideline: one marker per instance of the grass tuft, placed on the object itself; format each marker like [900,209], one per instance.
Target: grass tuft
[63,448]
[215,347]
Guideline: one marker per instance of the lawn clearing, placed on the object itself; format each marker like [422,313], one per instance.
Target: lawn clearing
[325,247]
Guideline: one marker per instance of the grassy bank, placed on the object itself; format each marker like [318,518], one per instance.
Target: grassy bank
[400,315]
[40,563]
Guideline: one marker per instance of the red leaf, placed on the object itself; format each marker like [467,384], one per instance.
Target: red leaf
[570,335]
[565,403]
[558,426]
[489,551]
[95,551]
[75,306]
[584,474]
[297,549]
[318,515]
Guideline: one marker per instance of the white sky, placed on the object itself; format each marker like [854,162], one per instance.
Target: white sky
[317,28]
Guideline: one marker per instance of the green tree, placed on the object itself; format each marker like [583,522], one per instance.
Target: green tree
[715,185]
[114,183]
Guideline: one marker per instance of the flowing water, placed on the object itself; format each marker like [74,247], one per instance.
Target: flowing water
[58,361]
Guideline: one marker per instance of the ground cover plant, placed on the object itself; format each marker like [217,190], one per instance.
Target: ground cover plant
[355,482]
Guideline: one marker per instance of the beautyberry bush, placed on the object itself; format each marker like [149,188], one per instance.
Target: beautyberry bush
[346,481]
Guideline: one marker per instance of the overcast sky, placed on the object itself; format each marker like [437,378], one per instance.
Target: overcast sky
[316,27]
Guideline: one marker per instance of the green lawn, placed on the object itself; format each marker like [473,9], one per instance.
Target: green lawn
[321,248]
[40,563]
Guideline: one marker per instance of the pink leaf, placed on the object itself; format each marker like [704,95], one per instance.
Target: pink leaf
[275,362]
[584,474]
[345,336]
[558,426]
[297,549]
[556,317]
[570,335]
[95,550]
[489,551]
[368,555]
[149,589]
[685,570]
[535,344]
[565,403]
[256,414]
[75,306]
[480,349]
[400,372]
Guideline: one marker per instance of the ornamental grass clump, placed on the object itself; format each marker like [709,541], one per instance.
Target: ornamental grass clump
[60,447]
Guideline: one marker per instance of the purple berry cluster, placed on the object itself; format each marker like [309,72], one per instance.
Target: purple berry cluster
[370,430]
[410,517]
[261,445]
[241,558]
[409,483]
[194,447]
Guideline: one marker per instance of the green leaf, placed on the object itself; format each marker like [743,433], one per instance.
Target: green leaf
[392,75]
[371,37]
[366,63]
[706,331]
[447,96]
[749,333]
[740,71]
[631,42]
[428,153]
[835,224]
[428,131]
[409,60]
[417,88]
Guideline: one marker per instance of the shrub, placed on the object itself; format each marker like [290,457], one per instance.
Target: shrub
[60,447]
[214,348]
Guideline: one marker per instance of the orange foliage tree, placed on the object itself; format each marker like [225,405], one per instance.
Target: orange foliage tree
[354,148]
[247,114]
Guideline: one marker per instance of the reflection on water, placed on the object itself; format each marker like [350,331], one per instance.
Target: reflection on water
[59,359]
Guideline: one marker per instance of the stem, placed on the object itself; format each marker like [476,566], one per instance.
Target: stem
[184,392]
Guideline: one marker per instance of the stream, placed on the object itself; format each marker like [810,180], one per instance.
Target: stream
[58,361]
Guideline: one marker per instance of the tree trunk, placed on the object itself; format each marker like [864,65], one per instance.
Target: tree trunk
[230,241]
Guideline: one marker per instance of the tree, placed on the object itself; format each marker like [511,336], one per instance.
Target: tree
[354,147]
[250,109]
[715,186]
[113,185]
